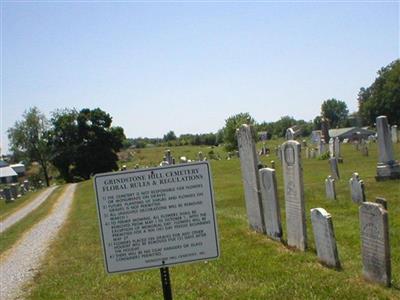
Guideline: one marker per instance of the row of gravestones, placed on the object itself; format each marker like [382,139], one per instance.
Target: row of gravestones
[357,188]
[262,205]
[168,159]
[14,191]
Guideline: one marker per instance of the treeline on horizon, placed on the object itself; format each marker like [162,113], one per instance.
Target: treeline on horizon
[381,98]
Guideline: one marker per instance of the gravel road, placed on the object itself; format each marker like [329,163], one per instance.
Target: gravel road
[26,209]
[23,260]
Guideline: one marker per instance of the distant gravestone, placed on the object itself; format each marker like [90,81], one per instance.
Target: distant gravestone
[14,191]
[338,153]
[22,189]
[250,176]
[387,168]
[381,201]
[307,152]
[7,195]
[294,195]
[324,236]
[200,156]
[26,185]
[364,150]
[375,248]
[330,188]
[270,203]
[168,157]
[357,189]
[394,134]
[321,147]
[332,147]
[333,163]
[279,153]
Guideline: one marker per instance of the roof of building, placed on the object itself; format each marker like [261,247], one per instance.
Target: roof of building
[3,164]
[17,165]
[340,131]
[7,172]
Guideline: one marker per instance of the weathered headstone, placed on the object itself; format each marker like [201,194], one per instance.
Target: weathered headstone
[270,203]
[333,163]
[200,156]
[7,195]
[26,185]
[387,167]
[394,134]
[357,189]
[168,157]
[375,248]
[330,188]
[22,189]
[325,129]
[381,201]
[279,153]
[332,147]
[250,176]
[294,195]
[324,237]
[14,191]
[321,147]
[336,147]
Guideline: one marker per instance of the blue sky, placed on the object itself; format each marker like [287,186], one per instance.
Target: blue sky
[188,66]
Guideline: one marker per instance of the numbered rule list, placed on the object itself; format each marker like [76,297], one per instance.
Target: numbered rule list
[157,217]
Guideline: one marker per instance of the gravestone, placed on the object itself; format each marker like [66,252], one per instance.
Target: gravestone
[381,201]
[357,189]
[333,163]
[294,195]
[331,147]
[270,203]
[336,147]
[22,189]
[387,167]
[394,134]
[321,147]
[7,194]
[364,150]
[26,185]
[375,248]
[250,176]
[14,191]
[279,153]
[330,188]
[200,156]
[325,129]
[168,157]
[307,152]
[324,237]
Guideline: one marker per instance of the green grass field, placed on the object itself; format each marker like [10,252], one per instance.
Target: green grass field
[7,209]
[251,266]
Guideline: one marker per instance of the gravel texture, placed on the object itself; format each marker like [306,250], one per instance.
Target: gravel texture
[23,260]
[26,209]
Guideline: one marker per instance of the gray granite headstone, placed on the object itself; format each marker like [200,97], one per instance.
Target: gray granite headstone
[168,157]
[200,156]
[357,189]
[294,195]
[330,188]
[375,248]
[331,147]
[7,195]
[394,134]
[26,185]
[14,191]
[333,163]
[324,236]
[387,168]
[337,147]
[250,176]
[270,203]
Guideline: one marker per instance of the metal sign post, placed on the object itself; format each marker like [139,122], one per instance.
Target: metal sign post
[166,283]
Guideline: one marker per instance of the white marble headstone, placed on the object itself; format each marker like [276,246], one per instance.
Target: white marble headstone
[357,189]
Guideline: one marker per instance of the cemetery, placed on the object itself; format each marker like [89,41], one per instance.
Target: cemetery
[287,228]
[199,150]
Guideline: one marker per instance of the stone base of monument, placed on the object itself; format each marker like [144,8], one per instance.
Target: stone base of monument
[388,171]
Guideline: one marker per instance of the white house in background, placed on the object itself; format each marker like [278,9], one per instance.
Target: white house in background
[7,174]
[19,169]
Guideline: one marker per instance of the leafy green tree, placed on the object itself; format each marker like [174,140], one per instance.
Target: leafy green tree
[335,111]
[382,97]
[170,136]
[29,138]
[84,143]
[231,124]
[282,125]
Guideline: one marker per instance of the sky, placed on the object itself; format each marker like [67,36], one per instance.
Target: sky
[187,66]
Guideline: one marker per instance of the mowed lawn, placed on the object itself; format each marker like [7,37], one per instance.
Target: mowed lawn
[251,266]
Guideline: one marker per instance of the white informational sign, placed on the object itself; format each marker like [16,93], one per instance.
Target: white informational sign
[156,217]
